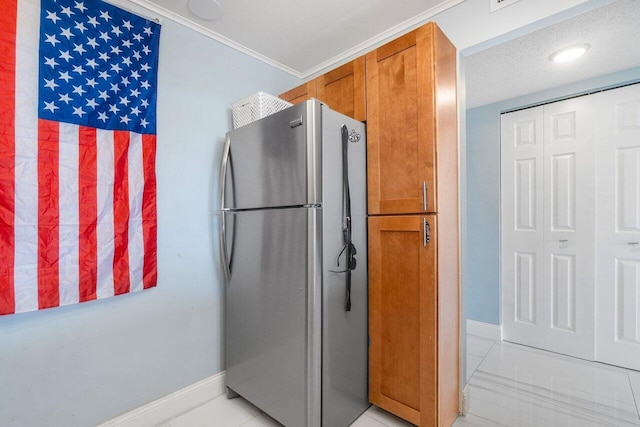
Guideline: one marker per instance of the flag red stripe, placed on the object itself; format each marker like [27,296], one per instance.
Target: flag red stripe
[88,212]
[149,216]
[121,276]
[48,215]
[7,153]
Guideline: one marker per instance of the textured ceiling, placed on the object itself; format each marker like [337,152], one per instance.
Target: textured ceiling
[522,65]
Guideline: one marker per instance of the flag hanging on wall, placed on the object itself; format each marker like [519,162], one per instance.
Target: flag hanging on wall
[77,152]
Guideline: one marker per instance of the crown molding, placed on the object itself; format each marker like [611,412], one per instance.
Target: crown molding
[367,45]
[146,4]
[379,39]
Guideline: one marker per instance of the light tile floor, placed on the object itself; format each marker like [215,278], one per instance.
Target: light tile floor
[508,385]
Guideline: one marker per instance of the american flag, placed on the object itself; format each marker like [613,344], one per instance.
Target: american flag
[77,152]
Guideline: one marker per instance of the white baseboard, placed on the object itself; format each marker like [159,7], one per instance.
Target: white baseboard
[167,407]
[484,330]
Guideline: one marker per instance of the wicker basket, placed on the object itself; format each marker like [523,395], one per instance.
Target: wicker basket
[255,107]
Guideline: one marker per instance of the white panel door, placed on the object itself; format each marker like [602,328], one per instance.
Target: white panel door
[618,249]
[569,227]
[548,227]
[522,226]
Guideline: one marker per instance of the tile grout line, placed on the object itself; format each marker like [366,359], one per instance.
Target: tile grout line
[176,416]
[375,420]
[382,422]
[260,413]
[633,394]
[474,372]
[251,419]
[506,385]
[482,361]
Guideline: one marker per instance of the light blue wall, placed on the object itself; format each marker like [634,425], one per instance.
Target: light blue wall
[482,240]
[82,365]
[483,210]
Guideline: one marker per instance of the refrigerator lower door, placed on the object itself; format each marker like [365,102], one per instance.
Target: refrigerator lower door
[272,331]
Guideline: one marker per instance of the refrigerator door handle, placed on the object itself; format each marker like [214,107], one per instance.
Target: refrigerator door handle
[226,263]
[223,170]
[346,212]
[223,228]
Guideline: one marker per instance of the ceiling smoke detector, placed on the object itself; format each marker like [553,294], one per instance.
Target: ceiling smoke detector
[569,53]
[208,10]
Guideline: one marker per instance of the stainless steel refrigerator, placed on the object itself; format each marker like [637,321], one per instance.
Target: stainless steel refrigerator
[293,240]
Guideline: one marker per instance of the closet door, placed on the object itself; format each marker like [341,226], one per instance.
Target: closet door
[522,226]
[618,297]
[569,219]
[548,227]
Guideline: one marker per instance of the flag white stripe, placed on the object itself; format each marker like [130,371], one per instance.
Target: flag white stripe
[136,185]
[69,214]
[105,213]
[26,173]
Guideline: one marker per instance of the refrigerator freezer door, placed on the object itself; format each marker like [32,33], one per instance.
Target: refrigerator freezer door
[272,162]
[270,337]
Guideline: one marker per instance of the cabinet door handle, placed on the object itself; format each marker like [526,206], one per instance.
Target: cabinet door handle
[424,195]
[426,232]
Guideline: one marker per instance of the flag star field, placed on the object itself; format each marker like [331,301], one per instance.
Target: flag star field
[98,67]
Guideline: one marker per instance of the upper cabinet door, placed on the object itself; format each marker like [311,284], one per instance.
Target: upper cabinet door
[343,89]
[410,100]
[299,94]
[401,160]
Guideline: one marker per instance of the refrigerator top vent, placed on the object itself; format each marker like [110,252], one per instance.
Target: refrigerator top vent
[255,107]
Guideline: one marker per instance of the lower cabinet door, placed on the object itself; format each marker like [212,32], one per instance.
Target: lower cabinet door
[403,365]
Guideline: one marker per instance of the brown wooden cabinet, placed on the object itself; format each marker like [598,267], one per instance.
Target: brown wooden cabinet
[300,93]
[402,301]
[413,169]
[410,105]
[343,89]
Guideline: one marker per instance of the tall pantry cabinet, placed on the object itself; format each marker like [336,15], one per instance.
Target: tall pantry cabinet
[413,227]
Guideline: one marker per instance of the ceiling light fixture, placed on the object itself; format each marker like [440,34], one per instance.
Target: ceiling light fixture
[569,53]
[208,10]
